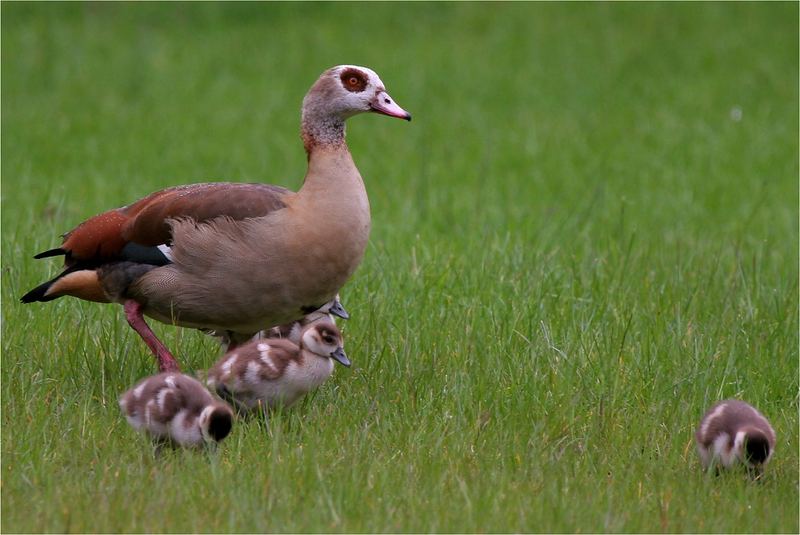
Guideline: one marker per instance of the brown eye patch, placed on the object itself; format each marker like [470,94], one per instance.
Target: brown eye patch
[354,80]
[328,336]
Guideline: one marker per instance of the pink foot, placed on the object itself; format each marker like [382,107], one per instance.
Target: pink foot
[133,313]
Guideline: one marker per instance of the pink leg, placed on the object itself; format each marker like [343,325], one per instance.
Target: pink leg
[133,313]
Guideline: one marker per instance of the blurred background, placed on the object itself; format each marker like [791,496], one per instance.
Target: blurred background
[586,235]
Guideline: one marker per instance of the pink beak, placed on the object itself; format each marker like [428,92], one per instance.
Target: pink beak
[384,104]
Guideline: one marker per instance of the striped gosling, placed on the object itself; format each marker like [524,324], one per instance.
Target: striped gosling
[176,409]
[276,372]
[733,432]
[292,331]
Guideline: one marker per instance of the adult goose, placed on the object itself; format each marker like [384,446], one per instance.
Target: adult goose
[228,257]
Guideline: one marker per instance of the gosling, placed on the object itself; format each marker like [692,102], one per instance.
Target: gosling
[276,372]
[292,331]
[175,409]
[734,433]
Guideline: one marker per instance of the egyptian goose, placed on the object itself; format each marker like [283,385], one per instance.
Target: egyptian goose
[229,257]
[272,372]
[733,432]
[176,409]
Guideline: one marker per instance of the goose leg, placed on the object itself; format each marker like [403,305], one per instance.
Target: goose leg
[133,313]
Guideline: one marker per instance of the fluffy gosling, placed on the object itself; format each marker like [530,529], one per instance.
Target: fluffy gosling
[276,372]
[176,409]
[734,433]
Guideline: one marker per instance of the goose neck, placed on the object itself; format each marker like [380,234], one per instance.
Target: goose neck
[322,131]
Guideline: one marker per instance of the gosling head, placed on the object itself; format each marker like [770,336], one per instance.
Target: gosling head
[215,422]
[334,307]
[324,339]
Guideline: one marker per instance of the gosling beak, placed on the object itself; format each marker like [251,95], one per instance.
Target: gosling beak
[340,357]
[383,103]
[338,310]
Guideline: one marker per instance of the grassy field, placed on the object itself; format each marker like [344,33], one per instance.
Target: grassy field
[587,235]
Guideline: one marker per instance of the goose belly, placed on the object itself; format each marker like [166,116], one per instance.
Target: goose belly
[253,283]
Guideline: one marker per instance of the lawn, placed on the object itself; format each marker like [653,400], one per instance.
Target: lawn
[587,235]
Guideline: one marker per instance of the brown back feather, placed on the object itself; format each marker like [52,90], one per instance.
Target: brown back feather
[145,222]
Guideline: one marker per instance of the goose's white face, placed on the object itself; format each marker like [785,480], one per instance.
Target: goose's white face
[349,89]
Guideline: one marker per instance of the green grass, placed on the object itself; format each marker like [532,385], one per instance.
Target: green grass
[576,249]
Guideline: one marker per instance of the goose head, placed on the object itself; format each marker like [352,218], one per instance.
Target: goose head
[324,339]
[347,90]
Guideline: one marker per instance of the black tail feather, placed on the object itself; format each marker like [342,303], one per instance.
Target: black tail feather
[52,252]
[38,293]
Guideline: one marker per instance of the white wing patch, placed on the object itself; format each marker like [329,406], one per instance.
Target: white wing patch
[162,397]
[166,250]
[227,365]
[716,413]
[137,392]
[267,360]
[252,373]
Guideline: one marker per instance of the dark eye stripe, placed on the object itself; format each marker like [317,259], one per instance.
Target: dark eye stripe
[354,80]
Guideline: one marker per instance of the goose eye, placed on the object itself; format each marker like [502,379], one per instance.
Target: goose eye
[354,80]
